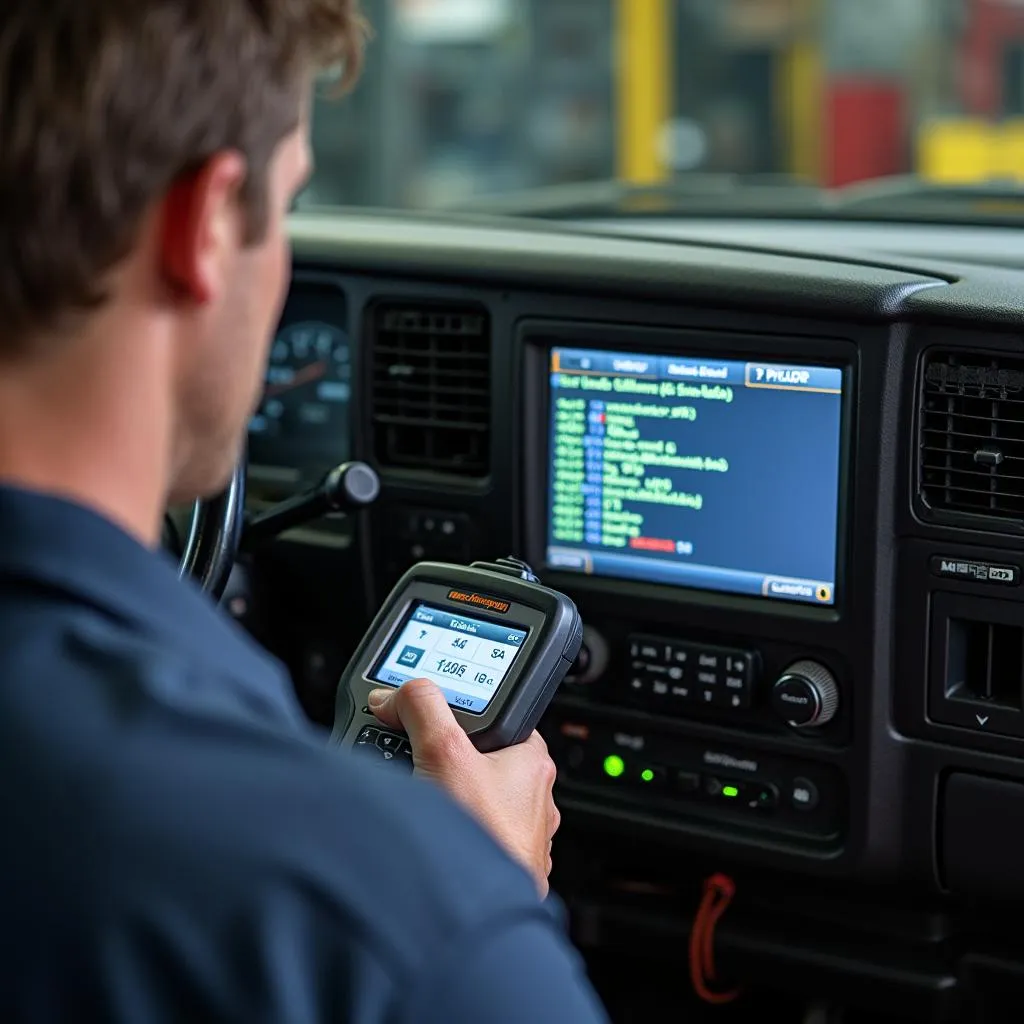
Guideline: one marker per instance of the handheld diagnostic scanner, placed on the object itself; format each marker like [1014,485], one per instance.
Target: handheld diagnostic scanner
[496,641]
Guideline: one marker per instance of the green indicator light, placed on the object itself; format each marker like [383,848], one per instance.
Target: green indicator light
[647,775]
[730,791]
[614,765]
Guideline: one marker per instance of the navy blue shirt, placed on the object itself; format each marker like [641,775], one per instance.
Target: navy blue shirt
[178,844]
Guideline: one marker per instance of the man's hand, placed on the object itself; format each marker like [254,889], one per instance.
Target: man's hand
[508,792]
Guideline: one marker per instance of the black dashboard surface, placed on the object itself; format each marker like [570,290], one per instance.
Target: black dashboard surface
[451,326]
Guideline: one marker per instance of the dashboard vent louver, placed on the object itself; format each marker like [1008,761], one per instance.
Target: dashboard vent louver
[431,404]
[971,435]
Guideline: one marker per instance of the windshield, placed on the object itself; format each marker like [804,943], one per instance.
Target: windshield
[464,99]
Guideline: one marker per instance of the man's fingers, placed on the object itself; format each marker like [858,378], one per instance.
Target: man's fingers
[419,707]
[382,704]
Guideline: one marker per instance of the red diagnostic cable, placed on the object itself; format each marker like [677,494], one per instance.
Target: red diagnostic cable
[718,893]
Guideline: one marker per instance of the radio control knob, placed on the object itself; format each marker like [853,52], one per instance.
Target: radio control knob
[592,660]
[806,695]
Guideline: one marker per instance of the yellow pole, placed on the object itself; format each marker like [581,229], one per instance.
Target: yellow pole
[643,87]
[801,87]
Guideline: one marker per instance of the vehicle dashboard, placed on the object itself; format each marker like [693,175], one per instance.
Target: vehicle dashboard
[849,559]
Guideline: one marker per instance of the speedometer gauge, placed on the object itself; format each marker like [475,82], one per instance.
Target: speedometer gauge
[302,424]
[309,381]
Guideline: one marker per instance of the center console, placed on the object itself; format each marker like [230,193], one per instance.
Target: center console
[681,481]
[786,494]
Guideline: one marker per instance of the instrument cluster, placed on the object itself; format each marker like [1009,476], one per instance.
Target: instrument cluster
[302,426]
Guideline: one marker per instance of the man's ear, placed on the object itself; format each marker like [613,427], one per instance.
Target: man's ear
[201,227]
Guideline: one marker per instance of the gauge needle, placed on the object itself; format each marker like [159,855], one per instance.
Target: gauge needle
[314,371]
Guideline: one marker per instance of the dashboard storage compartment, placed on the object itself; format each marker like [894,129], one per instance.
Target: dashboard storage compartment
[981,851]
[977,664]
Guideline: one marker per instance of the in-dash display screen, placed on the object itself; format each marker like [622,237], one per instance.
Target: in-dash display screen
[717,474]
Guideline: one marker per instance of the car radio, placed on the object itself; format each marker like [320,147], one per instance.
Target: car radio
[683,492]
[674,676]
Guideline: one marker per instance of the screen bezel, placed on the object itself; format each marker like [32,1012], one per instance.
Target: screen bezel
[539,337]
[374,671]
[427,590]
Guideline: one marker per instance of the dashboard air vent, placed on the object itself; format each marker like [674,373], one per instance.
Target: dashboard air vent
[971,441]
[431,404]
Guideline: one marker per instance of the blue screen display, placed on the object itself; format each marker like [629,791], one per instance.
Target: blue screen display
[468,658]
[716,474]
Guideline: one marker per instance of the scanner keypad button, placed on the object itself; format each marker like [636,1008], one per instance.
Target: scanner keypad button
[384,747]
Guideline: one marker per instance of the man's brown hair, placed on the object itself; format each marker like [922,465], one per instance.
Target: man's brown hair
[104,104]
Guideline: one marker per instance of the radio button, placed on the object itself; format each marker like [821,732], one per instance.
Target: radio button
[681,692]
[736,700]
[677,655]
[735,693]
[738,664]
[709,660]
[803,794]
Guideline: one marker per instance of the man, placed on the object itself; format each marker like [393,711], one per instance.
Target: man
[177,844]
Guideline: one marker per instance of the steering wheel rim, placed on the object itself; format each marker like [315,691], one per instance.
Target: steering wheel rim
[214,535]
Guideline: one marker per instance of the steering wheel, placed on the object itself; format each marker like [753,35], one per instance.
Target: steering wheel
[214,533]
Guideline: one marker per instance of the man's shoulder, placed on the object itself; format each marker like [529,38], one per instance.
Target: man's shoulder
[109,666]
[172,789]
